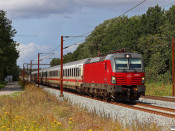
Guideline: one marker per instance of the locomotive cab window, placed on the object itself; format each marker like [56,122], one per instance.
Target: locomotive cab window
[121,63]
[128,63]
[135,63]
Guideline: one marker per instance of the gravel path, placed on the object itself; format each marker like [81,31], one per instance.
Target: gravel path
[10,88]
[125,115]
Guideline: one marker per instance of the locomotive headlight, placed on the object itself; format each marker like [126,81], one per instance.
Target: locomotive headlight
[143,80]
[113,81]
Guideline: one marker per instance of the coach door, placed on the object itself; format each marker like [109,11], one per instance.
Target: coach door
[105,73]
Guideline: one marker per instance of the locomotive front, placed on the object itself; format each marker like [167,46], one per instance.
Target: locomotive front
[128,75]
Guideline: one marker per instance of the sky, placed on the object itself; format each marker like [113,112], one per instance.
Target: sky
[41,23]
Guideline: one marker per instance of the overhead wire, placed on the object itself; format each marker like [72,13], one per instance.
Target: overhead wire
[77,43]
[168,4]
[132,8]
[91,31]
[79,36]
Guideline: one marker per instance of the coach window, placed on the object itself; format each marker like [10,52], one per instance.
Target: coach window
[69,73]
[66,72]
[72,72]
[79,72]
[76,71]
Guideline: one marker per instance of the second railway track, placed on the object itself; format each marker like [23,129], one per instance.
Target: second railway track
[159,98]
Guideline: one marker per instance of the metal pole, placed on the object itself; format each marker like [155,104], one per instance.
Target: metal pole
[173,66]
[27,71]
[23,72]
[30,70]
[38,69]
[61,69]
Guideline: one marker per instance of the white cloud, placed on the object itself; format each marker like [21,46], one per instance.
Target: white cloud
[30,52]
[35,8]
[44,8]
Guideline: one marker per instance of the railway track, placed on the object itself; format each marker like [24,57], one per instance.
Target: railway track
[159,98]
[144,107]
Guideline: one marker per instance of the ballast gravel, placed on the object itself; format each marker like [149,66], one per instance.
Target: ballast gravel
[158,103]
[126,116]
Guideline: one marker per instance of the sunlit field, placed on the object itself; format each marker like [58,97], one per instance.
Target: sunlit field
[34,109]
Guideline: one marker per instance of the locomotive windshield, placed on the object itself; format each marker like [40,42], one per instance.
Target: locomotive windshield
[128,63]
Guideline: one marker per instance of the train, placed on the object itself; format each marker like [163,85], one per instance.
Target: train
[118,75]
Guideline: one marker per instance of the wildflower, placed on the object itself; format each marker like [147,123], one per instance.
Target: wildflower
[3,127]
[90,130]
[52,123]
[70,118]
[59,123]
[33,121]
[70,122]
[6,113]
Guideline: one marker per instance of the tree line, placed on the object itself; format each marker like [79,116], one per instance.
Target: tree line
[148,34]
[8,52]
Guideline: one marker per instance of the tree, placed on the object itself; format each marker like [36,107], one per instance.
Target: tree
[8,52]
[55,61]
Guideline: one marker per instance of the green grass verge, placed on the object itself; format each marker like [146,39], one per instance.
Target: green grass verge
[158,89]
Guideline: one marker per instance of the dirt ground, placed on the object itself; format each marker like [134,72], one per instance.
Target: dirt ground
[10,88]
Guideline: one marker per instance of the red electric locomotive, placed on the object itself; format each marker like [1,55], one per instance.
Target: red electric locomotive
[117,75]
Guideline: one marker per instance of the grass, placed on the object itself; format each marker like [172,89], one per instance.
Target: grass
[158,89]
[35,110]
[2,84]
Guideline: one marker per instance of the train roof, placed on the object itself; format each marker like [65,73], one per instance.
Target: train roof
[133,55]
[92,60]
[68,65]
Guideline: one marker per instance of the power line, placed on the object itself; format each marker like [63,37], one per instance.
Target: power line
[168,4]
[118,16]
[82,35]
[132,8]
[77,43]
[91,31]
